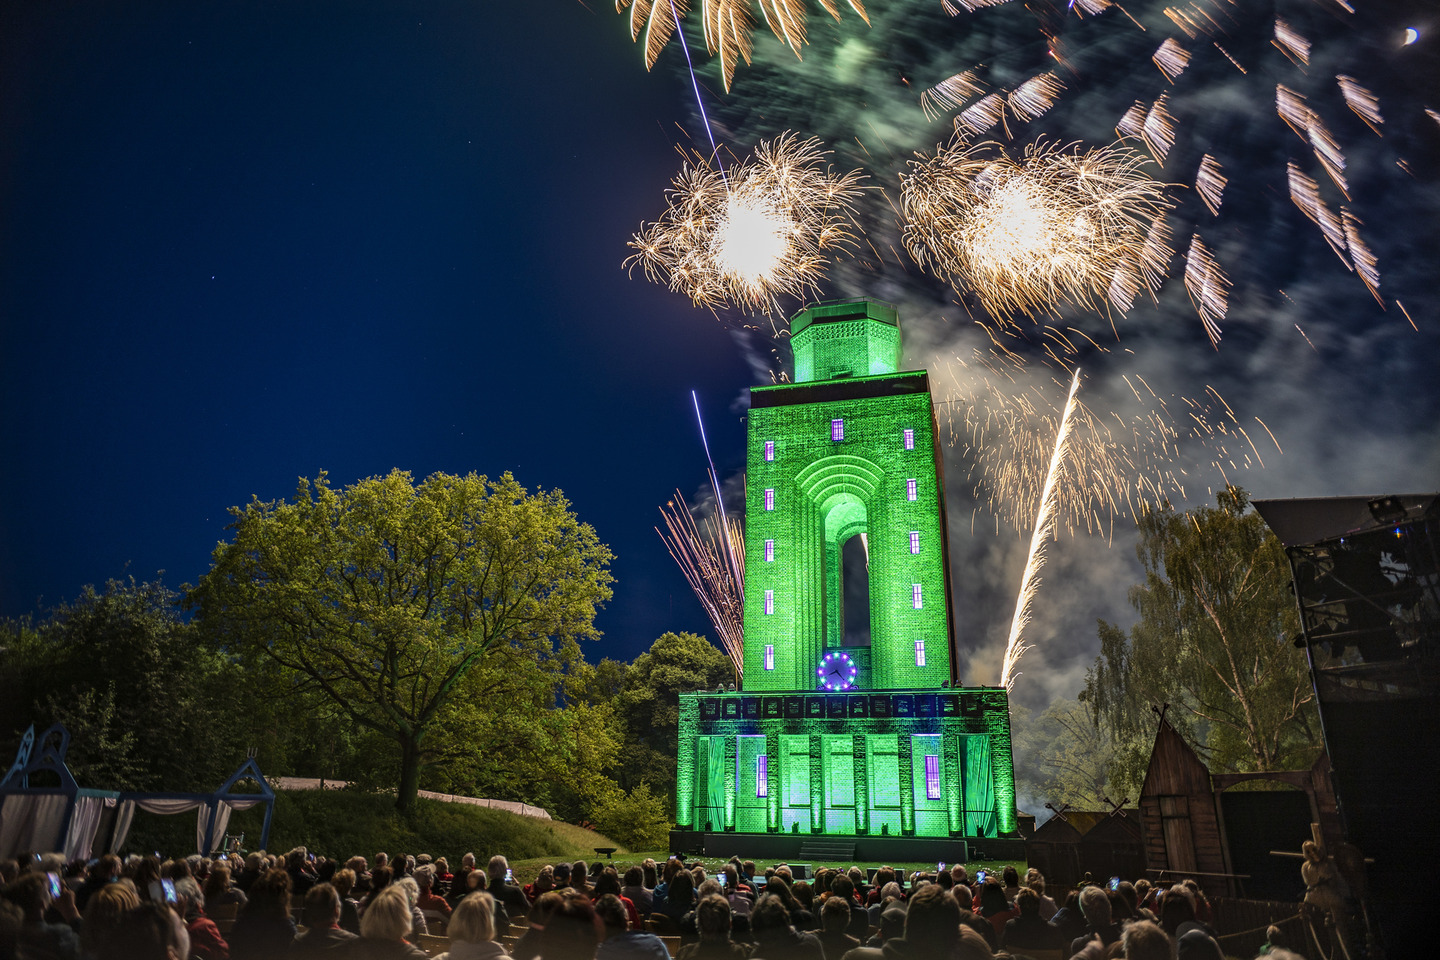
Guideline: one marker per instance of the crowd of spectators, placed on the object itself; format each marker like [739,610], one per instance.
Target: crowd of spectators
[301,905]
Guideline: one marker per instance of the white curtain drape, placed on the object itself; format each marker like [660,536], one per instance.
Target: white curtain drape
[80,837]
[31,822]
[167,807]
[123,818]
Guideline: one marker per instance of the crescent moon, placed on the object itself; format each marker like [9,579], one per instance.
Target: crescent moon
[1411,35]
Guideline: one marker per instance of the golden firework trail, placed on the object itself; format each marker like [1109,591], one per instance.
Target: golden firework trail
[729,25]
[1016,646]
[767,228]
[1362,102]
[1171,58]
[1026,235]
[711,555]
[1210,183]
[1290,43]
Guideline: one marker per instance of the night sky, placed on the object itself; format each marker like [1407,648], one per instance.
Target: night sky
[244,242]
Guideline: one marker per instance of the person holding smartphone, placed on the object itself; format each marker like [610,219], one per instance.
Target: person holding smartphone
[34,893]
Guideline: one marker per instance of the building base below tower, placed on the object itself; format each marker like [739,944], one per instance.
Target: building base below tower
[843,851]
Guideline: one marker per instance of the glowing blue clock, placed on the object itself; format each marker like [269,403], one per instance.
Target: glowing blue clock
[837,671]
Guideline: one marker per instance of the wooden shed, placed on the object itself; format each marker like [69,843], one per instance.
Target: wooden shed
[1178,820]
[1113,848]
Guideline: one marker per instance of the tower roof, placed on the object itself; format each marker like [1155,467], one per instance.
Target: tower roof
[846,338]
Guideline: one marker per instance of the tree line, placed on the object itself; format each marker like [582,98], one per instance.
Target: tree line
[404,635]
[392,633]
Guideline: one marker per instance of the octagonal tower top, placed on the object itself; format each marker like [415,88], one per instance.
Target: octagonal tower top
[845,338]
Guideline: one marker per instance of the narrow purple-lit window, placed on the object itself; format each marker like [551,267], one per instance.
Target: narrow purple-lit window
[769,498]
[770,600]
[915,599]
[837,429]
[762,776]
[769,656]
[769,450]
[914,541]
[909,439]
[910,490]
[932,777]
[919,653]
[769,551]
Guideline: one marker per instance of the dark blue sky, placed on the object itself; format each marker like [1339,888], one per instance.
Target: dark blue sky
[244,241]
[241,242]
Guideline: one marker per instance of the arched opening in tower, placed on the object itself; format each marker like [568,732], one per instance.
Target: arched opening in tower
[855,579]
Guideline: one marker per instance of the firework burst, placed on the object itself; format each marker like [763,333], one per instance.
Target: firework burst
[1056,226]
[767,228]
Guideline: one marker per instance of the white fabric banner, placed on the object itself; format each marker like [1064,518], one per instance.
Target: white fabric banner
[123,818]
[31,822]
[80,837]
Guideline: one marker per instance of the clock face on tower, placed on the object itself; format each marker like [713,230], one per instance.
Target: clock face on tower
[837,671]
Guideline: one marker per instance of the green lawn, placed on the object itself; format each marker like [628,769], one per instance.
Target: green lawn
[343,823]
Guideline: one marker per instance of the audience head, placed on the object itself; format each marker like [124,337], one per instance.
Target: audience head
[769,915]
[1095,905]
[103,913]
[1144,940]
[544,907]
[607,883]
[573,930]
[388,915]
[892,923]
[1176,907]
[970,945]
[1010,877]
[682,890]
[343,881]
[322,906]
[712,918]
[963,896]
[612,913]
[424,876]
[1027,901]
[269,895]
[497,868]
[835,915]
[992,898]
[149,931]
[410,888]
[473,919]
[932,920]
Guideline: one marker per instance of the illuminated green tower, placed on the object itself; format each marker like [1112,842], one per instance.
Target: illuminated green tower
[866,739]
[848,448]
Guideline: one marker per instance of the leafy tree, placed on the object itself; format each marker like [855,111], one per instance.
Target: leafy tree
[515,733]
[141,696]
[649,705]
[640,819]
[1063,757]
[386,595]
[1213,640]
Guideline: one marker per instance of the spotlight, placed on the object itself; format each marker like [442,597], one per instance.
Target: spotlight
[1387,509]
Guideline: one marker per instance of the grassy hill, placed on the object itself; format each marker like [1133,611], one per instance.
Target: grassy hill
[343,823]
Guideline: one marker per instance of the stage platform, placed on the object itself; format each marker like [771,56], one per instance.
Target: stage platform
[840,851]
